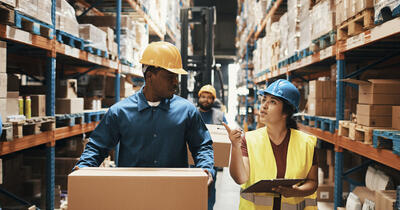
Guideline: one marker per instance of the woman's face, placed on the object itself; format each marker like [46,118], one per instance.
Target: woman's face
[271,110]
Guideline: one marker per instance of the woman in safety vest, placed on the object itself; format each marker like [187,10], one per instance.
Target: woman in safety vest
[277,150]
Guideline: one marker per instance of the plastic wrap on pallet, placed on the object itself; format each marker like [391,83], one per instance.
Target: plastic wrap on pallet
[9,2]
[293,18]
[293,43]
[141,35]
[96,37]
[284,30]
[382,7]
[323,19]
[126,47]
[66,19]
[44,11]
[305,33]
[27,7]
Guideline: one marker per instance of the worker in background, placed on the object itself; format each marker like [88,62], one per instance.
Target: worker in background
[277,150]
[153,126]
[211,115]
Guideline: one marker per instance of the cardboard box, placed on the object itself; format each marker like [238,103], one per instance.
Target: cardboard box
[3,57]
[9,2]
[364,193]
[110,37]
[69,105]
[378,91]
[3,85]
[92,103]
[137,188]
[12,103]
[396,117]
[385,199]
[221,146]
[374,115]
[67,88]
[325,192]
[38,105]
[322,89]
[322,107]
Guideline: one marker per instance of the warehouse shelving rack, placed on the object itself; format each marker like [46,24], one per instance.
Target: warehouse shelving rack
[55,50]
[373,43]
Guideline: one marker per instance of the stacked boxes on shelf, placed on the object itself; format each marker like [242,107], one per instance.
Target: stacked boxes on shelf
[67,101]
[9,2]
[322,98]
[66,19]
[40,10]
[96,37]
[3,80]
[112,46]
[323,19]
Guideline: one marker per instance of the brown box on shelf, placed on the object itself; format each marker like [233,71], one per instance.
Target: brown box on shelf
[110,37]
[396,117]
[12,103]
[364,193]
[378,91]
[9,2]
[3,109]
[323,107]
[38,105]
[69,105]
[374,115]
[385,199]
[28,7]
[107,21]
[184,188]
[44,11]
[325,192]
[67,88]
[322,89]
[3,57]
[3,85]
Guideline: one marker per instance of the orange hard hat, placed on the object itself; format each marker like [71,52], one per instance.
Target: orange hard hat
[165,55]
[208,89]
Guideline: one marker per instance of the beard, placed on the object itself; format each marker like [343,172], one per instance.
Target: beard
[205,107]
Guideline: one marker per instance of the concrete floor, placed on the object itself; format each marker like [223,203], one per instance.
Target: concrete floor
[227,197]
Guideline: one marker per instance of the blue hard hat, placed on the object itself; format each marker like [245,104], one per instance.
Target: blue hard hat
[284,89]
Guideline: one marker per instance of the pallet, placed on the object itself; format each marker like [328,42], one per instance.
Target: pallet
[358,24]
[32,25]
[356,132]
[387,139]
[325,123]
[36,125]
[94,116]
[95,51]
[396,12]
[125,62]
[6,14]
[63,120]
[324,41]
[7,132]
[112,57]
[71,40]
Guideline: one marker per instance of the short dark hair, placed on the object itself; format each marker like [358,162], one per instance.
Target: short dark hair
[289,110]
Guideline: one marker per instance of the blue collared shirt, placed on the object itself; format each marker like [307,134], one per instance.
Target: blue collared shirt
[151,136]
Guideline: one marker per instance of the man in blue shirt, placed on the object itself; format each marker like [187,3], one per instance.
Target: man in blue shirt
[153,126]
[210,115]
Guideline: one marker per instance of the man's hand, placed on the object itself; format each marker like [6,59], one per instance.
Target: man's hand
[210,178]
[235,135]
[75,168]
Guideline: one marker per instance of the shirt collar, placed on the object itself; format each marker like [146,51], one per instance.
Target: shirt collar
[142,102]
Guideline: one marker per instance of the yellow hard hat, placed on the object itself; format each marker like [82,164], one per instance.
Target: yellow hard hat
[164,55]
[208,89]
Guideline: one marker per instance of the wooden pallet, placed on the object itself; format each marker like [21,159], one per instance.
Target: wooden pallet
[356,132]
[32,25]
[358,24]
[71,40]
[32,126]
[95,51]
[94,116]
[323,42]
[387,139]
[7,132]
[6,14]
[63,120]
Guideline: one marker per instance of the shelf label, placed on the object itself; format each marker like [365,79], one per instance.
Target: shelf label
[355,41]
[326,53]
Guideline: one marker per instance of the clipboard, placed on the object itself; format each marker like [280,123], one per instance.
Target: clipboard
[265,186]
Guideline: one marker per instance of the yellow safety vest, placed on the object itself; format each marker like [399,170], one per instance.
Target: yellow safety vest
[263,166]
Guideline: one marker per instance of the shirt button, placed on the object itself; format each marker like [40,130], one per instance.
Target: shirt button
[155,162]
[155,135]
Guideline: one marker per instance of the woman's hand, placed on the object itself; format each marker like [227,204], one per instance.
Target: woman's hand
[294,191]
[235,135]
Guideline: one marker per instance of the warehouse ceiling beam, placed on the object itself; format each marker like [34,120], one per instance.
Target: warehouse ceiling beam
[360,71]
[98,2]
[96,11]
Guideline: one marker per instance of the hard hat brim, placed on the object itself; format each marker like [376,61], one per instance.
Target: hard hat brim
[178,71]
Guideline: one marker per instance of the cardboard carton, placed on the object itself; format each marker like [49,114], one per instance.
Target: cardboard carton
[3,85]
[38,105]
[67,88]
[221,146]
[385,199]
[12,103]
[325,192]
[378,91]
[137,188]
[396,117]
[322,89]
[3,57]
[69,105]
[110,37]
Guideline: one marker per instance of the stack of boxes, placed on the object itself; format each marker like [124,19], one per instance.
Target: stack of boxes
[67,101]
[322,98]
[96,37]
[66,19]
[40,10]
[112,46]
[326,164]
[346,9]
[323,19]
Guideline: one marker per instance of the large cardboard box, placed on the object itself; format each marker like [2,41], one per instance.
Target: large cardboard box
[323,107]
[69,105]
[38,105]
[378,91]
[110,37]
[374,115]
[322,89]
[385,199]
[3,85]
[325,192]
[396,117]
[12,103]
[67,88]
[3,57]
[221,146]
[137,188]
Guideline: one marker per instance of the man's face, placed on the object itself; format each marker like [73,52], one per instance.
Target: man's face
[206,100]
[165,83]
